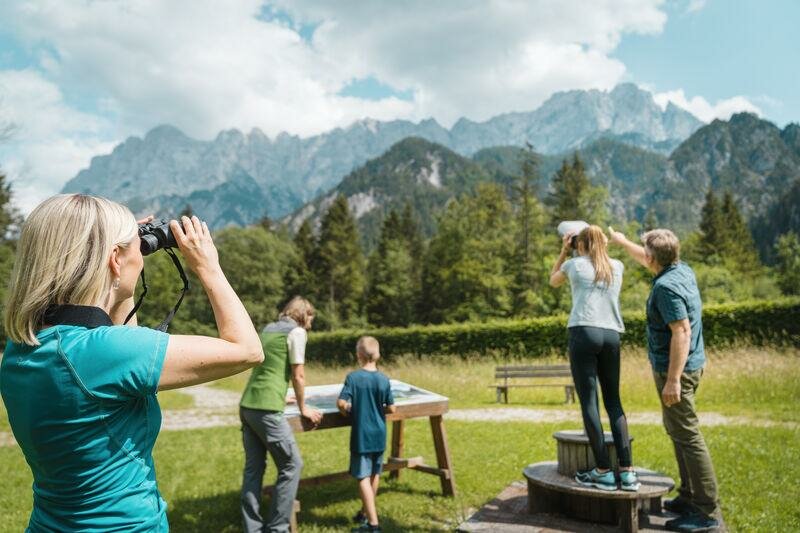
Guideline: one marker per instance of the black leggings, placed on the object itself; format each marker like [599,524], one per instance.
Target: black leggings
[593,356]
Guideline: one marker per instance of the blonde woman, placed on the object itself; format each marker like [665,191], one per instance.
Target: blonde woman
[80,387]
[265,429]
[595,324]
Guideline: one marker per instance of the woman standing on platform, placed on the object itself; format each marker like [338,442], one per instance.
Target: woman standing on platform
[595,324]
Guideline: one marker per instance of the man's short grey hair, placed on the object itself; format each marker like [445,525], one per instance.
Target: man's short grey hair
[663,246]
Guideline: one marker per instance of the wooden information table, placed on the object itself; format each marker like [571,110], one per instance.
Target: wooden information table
[411,402]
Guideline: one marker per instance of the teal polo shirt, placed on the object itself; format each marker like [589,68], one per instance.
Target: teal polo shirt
[674,296]
[83,409]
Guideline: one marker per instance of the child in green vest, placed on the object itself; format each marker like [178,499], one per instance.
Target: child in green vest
[366,398]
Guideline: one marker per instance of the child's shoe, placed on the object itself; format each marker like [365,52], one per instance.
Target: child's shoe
[360,517]
[599,480]
[366,527]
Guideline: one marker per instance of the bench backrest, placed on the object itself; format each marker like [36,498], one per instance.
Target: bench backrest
[540,371]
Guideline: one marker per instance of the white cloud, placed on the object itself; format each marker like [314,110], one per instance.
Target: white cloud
[695,5]
[703,109]
[50,141]
[206,66]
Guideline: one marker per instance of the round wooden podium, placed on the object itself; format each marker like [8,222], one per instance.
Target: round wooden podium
[575,455]
[552,487]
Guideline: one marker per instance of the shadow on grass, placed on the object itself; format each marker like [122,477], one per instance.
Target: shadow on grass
[221,512]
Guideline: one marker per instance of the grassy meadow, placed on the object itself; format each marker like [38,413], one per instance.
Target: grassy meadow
[757,467]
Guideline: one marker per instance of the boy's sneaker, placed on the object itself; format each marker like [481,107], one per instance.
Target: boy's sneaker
[628,480]
[593,478]
[679,506]
[692,523]
[360,517]
[365,527]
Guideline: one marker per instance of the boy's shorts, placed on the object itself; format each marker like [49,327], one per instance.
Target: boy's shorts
[366,464]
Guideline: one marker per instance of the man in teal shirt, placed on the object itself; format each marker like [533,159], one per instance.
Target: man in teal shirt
[677,356]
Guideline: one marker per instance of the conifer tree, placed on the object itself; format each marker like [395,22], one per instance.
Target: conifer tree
[392,281]
[339,265]
[467,273]
[574,198]
[739,248]
[528,275]
[711,229]
[300,278]
[787,251]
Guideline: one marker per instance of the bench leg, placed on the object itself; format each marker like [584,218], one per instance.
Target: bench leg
[499,392]
[569,393]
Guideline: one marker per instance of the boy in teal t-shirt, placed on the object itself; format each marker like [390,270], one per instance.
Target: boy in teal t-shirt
[367,397]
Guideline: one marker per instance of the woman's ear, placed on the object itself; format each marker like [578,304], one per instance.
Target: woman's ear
[114,263]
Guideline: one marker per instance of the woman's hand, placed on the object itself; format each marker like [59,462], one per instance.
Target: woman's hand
[196,246]
[566,242]
[145,220]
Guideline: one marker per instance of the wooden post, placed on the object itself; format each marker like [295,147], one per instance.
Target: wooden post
[443,455]
[397,445]
[293,518]
[628,515]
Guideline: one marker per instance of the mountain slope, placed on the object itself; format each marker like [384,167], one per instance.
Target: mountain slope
[414,171]
[166,167]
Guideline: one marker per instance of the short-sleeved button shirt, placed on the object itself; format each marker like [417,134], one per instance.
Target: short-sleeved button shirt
[674,296]
[368,392]
[83,409]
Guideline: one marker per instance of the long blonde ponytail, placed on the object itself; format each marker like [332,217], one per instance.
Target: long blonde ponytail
[594,243]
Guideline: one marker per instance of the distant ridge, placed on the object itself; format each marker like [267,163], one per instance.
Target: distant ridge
[238,178]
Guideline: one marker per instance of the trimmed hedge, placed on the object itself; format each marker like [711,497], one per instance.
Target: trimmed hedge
[756,322]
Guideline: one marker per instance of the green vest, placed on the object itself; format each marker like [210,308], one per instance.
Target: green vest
[269,381]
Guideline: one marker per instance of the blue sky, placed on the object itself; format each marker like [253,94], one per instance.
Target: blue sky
[76,78]
[726,48]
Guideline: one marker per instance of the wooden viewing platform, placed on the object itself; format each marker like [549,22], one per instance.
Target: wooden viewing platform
[551,492]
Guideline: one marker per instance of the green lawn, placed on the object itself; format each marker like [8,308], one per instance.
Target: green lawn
[747,381]
[199,471]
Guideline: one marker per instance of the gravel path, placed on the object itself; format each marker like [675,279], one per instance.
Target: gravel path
[219,408]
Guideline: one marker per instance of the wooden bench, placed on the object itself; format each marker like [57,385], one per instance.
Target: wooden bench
[507,373]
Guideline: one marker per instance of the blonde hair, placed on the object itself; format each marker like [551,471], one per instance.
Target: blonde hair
[298,309]
[368,349]
[594,243]
[62,258]
[663,246]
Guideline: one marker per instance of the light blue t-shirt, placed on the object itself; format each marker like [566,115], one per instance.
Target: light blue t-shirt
[594,304]
[83,409]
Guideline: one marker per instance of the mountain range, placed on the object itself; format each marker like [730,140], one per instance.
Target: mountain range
[239,178]
[754,159]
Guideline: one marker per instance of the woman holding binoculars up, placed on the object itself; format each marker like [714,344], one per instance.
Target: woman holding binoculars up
[595,324]
[79,386]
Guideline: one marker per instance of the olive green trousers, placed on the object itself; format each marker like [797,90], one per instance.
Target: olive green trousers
[698,483]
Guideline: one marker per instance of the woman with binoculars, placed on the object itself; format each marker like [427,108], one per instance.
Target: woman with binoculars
[80,387]
[594,325]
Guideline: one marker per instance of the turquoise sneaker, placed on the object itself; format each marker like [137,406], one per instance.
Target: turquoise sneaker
[598,480]
[628,480]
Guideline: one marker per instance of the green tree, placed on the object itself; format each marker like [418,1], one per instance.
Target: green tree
[392,287]
[531,245]
[10,221]
[712,233]
[339,266]
[787,250]
[256,263]
[574,198]
[467,274]
[300,279]
[740,249]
